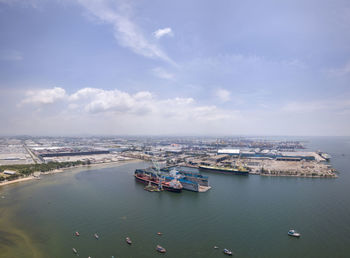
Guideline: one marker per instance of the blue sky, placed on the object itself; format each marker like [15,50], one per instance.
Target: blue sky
[175,67]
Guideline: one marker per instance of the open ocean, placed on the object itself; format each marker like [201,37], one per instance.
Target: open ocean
[249,215]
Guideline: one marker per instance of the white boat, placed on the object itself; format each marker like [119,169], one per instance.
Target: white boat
[228,252]
[293,233]
[160,249]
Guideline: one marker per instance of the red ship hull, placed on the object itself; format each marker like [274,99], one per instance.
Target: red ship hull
[146,180]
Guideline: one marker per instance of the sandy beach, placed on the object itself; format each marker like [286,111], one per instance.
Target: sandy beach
[55,171]
[17,180]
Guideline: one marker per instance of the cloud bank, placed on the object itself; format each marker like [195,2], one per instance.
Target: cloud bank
[121,103]
[46,96]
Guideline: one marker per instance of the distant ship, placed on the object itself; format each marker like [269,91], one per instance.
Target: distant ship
[230,170]
[293,233]
[228,252]
[147,177]
[160,249]
[128,240]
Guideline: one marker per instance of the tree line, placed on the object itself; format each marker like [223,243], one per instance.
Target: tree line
[28,169]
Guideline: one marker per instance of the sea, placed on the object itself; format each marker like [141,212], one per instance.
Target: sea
[249,215]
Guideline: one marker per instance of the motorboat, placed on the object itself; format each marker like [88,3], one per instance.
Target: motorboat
[75,251]
[128,240]
[293,233]
[228,252]
[96,236]
[160,249]
[77,233]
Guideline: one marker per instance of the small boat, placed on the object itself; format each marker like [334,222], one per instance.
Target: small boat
[293,233]
[159,233]
[215,247]
[128,240]
[75,251]
[160,249]
[96,236]
[77,233]
[228,252]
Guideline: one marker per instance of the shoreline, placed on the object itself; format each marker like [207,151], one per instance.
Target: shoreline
[300,176]
[56,171]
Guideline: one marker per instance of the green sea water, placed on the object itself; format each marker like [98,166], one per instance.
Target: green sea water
[249,215]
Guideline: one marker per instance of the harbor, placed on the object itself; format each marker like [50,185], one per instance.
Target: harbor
[236,157]
[239,212]
[109,201]
[237,162]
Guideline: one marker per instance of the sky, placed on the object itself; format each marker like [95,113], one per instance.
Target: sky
[157,67]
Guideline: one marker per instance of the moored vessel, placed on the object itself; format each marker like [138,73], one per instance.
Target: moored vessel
[229,170]
[147,177]
[190,181]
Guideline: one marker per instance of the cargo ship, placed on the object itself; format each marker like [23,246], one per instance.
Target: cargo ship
[228,170]
[190,181]
[195,177]
[148,177]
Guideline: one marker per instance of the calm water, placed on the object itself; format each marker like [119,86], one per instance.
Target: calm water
[249,215]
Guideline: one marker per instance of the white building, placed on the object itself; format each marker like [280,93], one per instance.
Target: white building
[229,152]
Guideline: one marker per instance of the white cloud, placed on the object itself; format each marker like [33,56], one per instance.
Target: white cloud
[126,31]
[161,73]
[45,96]
[97,100]
[163,32]
[99,111]
[140,105]
[223,95]
[94,100]
[85,93]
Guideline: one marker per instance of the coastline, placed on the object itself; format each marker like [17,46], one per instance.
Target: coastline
[22,179]
[55,171]
[300,176]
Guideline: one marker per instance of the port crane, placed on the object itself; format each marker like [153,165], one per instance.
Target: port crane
[158,174]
